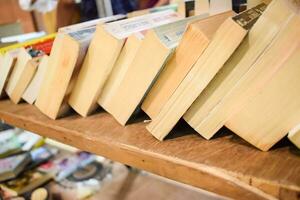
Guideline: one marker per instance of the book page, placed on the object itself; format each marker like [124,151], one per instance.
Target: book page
[91,23]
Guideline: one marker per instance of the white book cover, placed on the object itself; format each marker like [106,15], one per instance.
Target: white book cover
[91,23]
[124,28]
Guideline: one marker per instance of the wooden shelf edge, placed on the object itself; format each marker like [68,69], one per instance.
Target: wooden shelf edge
[201,175]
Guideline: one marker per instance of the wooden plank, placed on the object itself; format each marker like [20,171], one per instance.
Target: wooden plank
[225,165]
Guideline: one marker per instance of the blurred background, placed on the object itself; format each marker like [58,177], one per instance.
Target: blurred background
[24,16]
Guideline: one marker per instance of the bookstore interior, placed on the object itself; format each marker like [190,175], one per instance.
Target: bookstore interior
[149,99]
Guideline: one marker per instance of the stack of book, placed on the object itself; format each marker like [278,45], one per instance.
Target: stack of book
[32,164]
[20,153]
[214,69]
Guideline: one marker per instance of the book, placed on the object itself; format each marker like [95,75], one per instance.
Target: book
[63,167]
[9,142]
[121,66]
[21,75]
[193,43]
[89,24]
[225,41]
[267,103]
[108,42]
[8,62]
[39,156]
[29,181]
[223,108]
[7,134]
[27,43]
[30,140]
[144,68]
[64,66]
[10,146]
[259,38]
[50,99]
[14,141]
[31,92]
[12,166]
[294,136]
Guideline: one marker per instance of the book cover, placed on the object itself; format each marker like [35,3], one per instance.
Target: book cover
[25,183]
[10,167]
[63,167]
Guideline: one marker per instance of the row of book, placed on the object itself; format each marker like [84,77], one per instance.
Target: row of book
[29,166]
[214,70]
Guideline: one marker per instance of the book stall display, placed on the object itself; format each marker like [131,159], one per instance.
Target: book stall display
[192,91]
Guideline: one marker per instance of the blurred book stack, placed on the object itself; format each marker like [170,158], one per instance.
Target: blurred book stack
[28,164]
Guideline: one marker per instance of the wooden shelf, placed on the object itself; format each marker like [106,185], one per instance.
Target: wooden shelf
[225,165]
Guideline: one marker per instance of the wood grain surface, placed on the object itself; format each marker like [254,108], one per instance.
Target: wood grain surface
[225,165]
